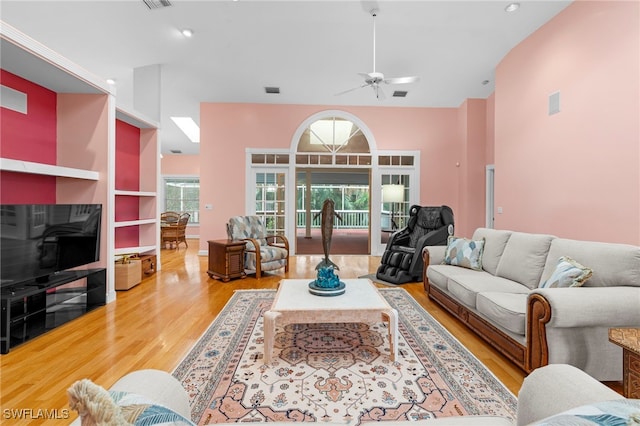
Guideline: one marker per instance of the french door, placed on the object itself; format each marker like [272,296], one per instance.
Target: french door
[267,197]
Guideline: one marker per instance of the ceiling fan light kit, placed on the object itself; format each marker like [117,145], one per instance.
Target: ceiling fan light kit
[375,79]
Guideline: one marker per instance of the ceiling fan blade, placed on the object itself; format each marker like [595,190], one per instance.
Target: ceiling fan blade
[401,80]
[352,89]
[379,92]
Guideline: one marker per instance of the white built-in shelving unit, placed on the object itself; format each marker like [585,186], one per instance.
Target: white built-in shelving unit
[81,130]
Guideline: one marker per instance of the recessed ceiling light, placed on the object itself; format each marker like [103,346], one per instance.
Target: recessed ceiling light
[188,127]
[111,81]
[187,32]
[512,7]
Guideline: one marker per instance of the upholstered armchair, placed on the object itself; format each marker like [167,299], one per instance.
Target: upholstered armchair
[402,259]
[263,252]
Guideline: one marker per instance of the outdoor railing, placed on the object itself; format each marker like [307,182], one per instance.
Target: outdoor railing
[351,219]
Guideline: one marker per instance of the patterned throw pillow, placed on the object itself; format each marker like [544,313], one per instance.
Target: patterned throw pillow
[464,252]
[139,410]
[568,273]
[98,406]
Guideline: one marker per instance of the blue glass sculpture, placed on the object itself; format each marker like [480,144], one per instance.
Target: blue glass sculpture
[327,283]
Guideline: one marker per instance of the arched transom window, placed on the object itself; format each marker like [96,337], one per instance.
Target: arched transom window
[333,140]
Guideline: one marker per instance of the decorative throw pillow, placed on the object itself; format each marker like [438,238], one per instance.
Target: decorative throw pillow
[464,252]
[96,406]
[568,273]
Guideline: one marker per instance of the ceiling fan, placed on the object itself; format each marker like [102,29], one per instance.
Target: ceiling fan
[375,79]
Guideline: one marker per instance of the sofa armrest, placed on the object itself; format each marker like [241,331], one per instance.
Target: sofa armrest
[555,388]
[592,306]
[575,308]
[431,255]
[435,253]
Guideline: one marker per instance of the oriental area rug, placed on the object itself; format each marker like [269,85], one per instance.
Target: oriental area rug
[338,373]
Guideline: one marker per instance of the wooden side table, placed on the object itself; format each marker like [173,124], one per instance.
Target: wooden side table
[226,259]
[629,340]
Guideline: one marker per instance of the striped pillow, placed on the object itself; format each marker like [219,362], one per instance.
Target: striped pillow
[568,273]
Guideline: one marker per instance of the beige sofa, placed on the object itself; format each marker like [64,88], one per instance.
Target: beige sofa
[546,392]
[535,326]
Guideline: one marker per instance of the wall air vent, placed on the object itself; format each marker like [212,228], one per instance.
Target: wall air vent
[176,151]
[399,93]
[157,4]
[275,90]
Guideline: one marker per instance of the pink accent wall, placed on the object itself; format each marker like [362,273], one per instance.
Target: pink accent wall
[472,124]
[127,157]
[228,129]
[575,174]
[29,137]
[180,165]
[127,178]
[491,129]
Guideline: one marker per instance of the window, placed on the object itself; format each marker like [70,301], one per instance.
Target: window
[183,195]
[270,200]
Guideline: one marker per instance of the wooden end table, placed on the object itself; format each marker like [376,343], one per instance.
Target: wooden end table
[226,259]
[361,302]
[629,340]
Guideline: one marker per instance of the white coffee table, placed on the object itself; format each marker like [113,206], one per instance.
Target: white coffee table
[361,302]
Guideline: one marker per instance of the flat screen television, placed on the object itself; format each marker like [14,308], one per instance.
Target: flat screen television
[39,240]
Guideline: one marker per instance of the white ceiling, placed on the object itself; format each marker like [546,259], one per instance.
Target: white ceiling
[310,49]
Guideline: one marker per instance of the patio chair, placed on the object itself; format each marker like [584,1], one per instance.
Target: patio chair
[175,232]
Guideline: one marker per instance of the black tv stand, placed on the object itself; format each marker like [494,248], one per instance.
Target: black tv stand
[32,308]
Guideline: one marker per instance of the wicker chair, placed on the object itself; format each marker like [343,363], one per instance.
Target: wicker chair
[169,217]
[263,252]
[175,233]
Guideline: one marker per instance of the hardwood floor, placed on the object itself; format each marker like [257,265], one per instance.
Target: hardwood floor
[154,324]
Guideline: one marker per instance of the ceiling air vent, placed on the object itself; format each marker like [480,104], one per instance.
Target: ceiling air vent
[275,90]
[399,93]
[176,151]
[157,4]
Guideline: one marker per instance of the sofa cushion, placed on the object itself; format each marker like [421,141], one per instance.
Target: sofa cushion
[466,287]
[464,252]
[438,275]
[524,258]
[494,242]
[612,264]
[568,273]
[508,310]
